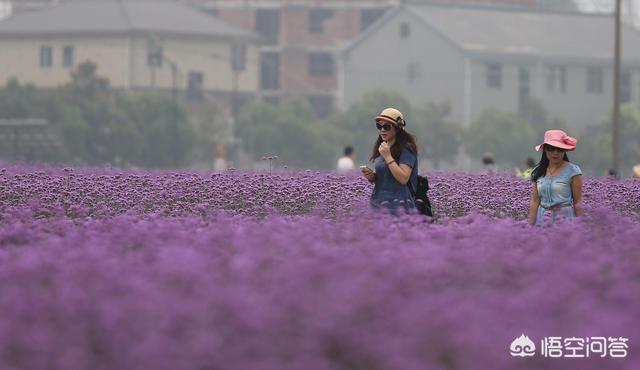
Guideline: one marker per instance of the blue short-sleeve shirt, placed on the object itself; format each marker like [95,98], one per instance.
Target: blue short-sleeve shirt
[556,190]
[387,191]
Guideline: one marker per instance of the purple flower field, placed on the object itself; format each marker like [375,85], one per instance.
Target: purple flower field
[110,269]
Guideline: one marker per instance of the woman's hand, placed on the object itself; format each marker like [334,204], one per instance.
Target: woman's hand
[576,192]
[370,175]
[533,205]
[385,151]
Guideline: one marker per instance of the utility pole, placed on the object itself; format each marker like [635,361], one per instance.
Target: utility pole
[616,93]
[174,93]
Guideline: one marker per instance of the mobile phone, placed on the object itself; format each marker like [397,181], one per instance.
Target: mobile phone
[363,167]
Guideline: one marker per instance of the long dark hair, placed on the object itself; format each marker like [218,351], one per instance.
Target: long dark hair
[403,140]
[541,168]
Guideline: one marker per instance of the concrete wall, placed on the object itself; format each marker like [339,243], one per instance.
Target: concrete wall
[20,58]
[295,40]
[123,61]
[382,61]
[505,98]
[576,106]
[213,59]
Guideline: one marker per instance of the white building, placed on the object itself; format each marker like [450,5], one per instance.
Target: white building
[478,58]
[136,45]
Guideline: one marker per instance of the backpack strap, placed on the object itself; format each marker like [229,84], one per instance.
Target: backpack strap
[413,193]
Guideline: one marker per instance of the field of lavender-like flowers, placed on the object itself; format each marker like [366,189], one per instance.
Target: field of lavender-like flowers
[109,269]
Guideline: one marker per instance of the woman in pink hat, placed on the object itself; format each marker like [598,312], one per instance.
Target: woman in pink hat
[557,188]
[395,160]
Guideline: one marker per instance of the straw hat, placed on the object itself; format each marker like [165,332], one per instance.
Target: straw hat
[393,116]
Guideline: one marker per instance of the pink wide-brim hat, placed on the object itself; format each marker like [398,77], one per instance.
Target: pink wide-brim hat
[559,139]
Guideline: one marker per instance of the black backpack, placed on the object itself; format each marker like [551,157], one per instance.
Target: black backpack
[423,204]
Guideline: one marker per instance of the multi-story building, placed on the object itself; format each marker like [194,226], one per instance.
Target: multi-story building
[302,38]
[479,58]
[136,45]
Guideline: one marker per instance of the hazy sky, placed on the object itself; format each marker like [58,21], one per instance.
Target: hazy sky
[630,8]
[5,8]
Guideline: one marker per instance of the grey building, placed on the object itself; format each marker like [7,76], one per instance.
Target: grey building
[479,58]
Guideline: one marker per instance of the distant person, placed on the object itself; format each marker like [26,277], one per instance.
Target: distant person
[557,183]
[612,174]
[636,171]
[488,165]
[395,160]
[345,163]
[220,162]
[528,168]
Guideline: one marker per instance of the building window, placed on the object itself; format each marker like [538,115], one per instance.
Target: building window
[625,86]
[322,105]
[317,18]
[556,78]
[368,16]
[273,100]
[195,85]
[211,11]
[155,55]
[46,56]
[595,80]
[405,30]
[68,56]
[494,76]
[269,71]
[414,72]
[268,24]
[238,57]
[320,64]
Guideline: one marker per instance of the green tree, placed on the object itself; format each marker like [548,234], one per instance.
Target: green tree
[534,113]
[594,152]
[438,138]
[21,101]
[287,131]
[212,129]
[26,101]
[98,125]
[123,128]
[160,134]
[357,123]
[505,134]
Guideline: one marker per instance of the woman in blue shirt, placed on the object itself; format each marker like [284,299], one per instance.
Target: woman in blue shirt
[557,183]
[394,157]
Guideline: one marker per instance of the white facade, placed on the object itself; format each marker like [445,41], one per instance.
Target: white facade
[408,54]
[132,46]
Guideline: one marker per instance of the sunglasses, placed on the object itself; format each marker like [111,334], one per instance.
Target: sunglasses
[550,148]
[385,127]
